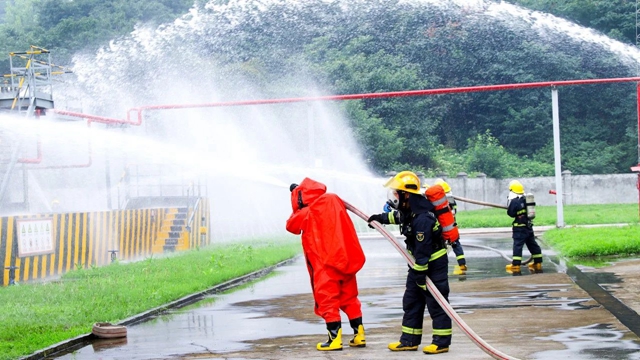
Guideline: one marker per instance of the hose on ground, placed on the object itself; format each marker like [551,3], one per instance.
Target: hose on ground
[483,345]
[497,251]
[483,203]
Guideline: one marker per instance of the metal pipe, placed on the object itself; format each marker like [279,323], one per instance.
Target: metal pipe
[83,165]
[37,160]
[94,118]
[378,95]
[556,156]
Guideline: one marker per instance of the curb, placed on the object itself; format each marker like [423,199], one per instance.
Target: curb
[80,341]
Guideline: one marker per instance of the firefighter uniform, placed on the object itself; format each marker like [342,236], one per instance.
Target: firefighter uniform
[424,241]
[522,232]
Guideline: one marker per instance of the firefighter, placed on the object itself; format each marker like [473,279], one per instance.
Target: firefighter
[333,255]
[522,231]
[456,246]
[414,214]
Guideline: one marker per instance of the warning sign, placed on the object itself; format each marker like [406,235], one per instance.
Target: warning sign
[35,237]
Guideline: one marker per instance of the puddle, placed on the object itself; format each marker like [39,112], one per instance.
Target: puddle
[598,341]
[280,306]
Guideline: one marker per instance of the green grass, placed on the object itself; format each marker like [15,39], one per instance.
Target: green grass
[595,242]
[546,215]
[37,315]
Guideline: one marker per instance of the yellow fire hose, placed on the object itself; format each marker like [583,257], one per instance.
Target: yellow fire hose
[483,345]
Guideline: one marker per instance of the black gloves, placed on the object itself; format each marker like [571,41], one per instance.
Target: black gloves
[377,217]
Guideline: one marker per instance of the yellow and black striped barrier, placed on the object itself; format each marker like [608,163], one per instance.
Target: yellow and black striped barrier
[48,245]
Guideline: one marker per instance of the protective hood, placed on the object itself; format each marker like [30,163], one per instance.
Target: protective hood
[329,239]
[306,193]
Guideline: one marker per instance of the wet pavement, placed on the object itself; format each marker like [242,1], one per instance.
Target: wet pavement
[533,316]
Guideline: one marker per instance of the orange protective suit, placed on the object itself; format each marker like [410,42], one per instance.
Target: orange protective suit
[331,248]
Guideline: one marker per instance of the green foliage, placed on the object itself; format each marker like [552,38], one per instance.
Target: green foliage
[285,48]
[615,18]
[485,154]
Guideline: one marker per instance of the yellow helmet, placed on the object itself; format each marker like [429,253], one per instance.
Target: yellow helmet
[444,185]
[404,181]
[516,187]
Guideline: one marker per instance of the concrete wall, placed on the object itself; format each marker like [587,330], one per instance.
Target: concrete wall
[578,189]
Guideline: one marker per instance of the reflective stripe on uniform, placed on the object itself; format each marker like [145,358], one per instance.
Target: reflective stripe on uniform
[535,256]
[442,332]
[438,254]
[417,267]
[411,331]
[439,201]
[448,227]
[392,219]
[460,257]
[517,258]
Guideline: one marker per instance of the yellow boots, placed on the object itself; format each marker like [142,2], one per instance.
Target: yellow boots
[435,349]
[398,346]
[535,268]
[358,339]
[513,269]
[335,338]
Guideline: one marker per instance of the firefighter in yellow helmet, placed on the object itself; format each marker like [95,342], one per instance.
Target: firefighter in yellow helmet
[414,213]
[456,246]
[522,230]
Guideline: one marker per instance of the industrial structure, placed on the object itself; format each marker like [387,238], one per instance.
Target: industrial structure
[152,213]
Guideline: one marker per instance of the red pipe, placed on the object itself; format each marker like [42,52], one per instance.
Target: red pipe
[87,164]
[380,95]
[94,118]
[36,160]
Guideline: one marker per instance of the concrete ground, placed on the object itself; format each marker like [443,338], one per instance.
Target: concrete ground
[534,316]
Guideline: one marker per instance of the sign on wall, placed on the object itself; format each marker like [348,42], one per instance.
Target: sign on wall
[35,237]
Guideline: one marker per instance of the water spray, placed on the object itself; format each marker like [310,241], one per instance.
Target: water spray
[483,345]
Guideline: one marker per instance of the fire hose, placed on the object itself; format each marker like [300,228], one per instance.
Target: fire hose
[483,345]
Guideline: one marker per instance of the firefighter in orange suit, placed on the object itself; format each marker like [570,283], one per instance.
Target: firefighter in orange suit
[333,255]
[424,241]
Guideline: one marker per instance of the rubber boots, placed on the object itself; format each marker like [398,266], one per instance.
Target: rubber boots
[535,267]
[358,331]
[399,346]
[335,338]
[513,269]
[435,349]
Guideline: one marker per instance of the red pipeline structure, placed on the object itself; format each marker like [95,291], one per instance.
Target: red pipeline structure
[136,119]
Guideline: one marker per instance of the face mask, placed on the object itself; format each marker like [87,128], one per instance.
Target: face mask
[393,199]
